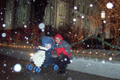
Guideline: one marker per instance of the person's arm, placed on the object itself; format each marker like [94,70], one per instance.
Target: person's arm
[67,47]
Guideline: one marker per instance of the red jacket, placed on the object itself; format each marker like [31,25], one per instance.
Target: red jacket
[62,47]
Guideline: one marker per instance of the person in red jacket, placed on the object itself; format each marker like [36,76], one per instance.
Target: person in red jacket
[63,52]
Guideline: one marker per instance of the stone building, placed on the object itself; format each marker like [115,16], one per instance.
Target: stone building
[19,13]
[58,13]
[73,12]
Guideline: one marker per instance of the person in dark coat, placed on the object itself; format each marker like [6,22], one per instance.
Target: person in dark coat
[48,42]
[98,43]
[118,41]
[63,52]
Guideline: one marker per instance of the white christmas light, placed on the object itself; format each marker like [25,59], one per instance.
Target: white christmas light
[48,32]
[83,17]
[91,5]
[104,21]
[110,58]
[43,30]
[103,61]
[75,7]
[65,59]
[75,34]
[15,32]
[102,14]
[3,25]
[4,65]
[74,19]
[25,26]
[27,42]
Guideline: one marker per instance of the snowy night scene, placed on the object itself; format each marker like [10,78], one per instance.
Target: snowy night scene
[59,40]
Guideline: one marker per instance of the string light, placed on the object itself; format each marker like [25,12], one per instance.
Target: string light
[96,53]
[83,52]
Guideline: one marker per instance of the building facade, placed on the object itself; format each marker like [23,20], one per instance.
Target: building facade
[19,13]
[74,12]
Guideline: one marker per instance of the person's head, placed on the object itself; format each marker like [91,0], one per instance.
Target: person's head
[48,46]
[57,40]
[47,42]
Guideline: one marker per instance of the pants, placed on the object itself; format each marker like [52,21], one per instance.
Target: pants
[61,62]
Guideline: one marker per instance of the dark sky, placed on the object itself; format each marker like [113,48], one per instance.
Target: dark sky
[39,9]
[2,12]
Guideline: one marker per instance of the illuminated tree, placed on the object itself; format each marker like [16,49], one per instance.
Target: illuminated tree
[18,36]
[35,34]
[112,17]
[8,36]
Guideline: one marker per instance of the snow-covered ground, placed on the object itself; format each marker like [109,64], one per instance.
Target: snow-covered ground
[99,67]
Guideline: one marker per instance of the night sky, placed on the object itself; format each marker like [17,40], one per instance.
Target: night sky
[2,12]
[39,10]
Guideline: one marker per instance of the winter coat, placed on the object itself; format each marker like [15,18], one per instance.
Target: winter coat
[62,47]
[45,40]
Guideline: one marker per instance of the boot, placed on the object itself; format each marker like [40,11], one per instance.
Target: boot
[62,71]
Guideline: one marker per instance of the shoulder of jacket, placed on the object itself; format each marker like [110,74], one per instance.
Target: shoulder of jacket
[65,42]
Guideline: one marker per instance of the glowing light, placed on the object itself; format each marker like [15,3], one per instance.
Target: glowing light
[74,19]
[41,26]
[87,45]
[77,51]
[43,30]
[17,68]
[27,42]
[3,25]
[102,14]
[3,34]
[31,54]
[103,61]
[112,54]
[110,58]
[15,32]
[4,65]
[83,17]
[25,26]
[96,53]
[90,52]
[109,5]
[48,32]
[104,21]
[75,34]
[75,7]
[91,5]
